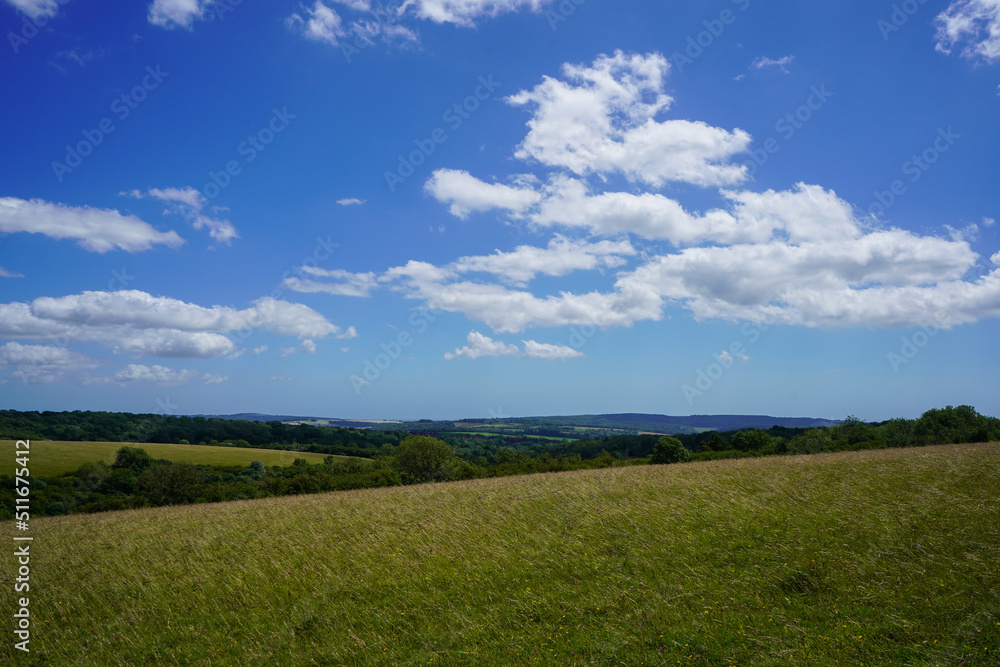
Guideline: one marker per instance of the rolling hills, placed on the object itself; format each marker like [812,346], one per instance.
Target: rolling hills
[875,557]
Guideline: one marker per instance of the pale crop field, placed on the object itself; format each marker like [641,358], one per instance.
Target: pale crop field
[867,558]
[49,458]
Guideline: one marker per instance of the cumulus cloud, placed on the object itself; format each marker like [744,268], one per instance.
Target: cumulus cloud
[482,346]
[973,25]
[308,347]
[38,364]
[345,283]
[4,273]
[190,204]
[137,323]
[479,345]
[94,229]
[172,14]
[561,257]
[467,194]
[600,119]
[801,256]
[353,201]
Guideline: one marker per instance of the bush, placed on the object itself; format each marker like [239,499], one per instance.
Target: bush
[133,458]
[669,450]
[424,459]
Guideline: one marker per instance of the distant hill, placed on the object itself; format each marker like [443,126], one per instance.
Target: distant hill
[629,421]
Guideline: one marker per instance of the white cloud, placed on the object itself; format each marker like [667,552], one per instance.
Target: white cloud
[350,333]
[601,120]
[190,204]
[886,278]
[96,230]
[347,283]
[4,273]
[989,222]
[36,8]
[155,374]
[780,63]
[320,23]
[801,256]
[287,351]
[562,256]
[308,347]
[467,194]
[137,323]
[187,195]
[484,346]
[172,14]
[536,350]
[975,24]
[353,201]
[259,350]
[43,363]
[466,12]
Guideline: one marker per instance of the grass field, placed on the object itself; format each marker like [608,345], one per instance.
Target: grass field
[534,437]
[869,558]
[51,457]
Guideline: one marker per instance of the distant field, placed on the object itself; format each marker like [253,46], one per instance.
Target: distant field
[534,437]
[869,558]
[51,457]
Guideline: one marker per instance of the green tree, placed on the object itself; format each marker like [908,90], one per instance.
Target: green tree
[422,458]
[669,450]
[171,483]
[751,440]
[133,458]
[714,443]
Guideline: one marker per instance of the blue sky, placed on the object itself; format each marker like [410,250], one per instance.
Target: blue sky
[473,208]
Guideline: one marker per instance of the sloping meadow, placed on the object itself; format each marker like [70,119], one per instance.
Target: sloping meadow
[878,557]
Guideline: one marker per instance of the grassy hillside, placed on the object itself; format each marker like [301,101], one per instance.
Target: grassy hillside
[50,457]
[880,557]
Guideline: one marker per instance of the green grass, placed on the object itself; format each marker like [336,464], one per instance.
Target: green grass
[867,558]
[50,457]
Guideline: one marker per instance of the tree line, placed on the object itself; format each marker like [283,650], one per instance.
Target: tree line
[136,480]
